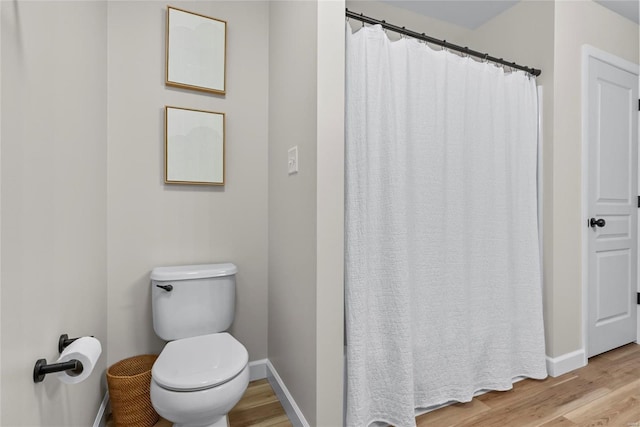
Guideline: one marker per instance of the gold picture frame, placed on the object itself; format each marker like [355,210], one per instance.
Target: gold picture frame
[194,148]
[196,51]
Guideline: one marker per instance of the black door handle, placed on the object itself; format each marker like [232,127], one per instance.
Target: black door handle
[167,288]
[597,222]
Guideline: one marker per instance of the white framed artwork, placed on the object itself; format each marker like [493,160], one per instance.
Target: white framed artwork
[196,49]
[194,146]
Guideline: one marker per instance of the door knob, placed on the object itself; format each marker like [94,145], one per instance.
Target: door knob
[597,222]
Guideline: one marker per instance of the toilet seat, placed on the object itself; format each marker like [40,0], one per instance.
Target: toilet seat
[199,363]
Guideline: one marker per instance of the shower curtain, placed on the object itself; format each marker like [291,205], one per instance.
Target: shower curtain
[443,288]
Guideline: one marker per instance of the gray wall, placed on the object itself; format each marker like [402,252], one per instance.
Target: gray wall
[53,199]
[330,214]
[0,212]
[306,210]
[292,198]
[152,224]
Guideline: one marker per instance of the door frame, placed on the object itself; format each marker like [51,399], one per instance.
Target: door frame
[592,52]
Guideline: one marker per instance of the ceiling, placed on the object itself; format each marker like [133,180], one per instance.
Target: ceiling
[626,8]
[473,13]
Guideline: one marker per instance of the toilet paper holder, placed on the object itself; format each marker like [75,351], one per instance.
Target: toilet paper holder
[65,342]
[41,368]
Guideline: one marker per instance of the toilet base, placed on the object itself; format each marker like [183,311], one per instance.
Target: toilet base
[200,408]
[222,422]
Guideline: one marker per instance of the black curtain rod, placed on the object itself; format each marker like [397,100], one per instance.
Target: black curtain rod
[421,36]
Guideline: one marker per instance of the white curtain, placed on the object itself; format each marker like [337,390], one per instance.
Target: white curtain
[443,287]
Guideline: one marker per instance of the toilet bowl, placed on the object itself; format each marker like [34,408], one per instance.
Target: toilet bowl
[197,381]
[202,372]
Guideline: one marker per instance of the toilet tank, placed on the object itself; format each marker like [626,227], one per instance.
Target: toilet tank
[192,300]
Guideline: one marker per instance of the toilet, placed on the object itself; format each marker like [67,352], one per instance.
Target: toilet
[202,372]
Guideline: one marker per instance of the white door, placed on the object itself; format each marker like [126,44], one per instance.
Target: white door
[612,129]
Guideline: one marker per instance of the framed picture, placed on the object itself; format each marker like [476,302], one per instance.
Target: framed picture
[194,146]
[196,51]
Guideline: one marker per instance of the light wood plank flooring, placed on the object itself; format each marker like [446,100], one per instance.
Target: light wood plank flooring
[606,392]
[259,407]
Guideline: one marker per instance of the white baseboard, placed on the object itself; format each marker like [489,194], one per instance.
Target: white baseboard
[101,417]
[568,362]
[291,408]
[258,370]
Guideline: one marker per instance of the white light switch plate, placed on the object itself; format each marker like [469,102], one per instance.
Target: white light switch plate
[292,160]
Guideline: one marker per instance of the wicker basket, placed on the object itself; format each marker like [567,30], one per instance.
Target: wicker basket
[129,381]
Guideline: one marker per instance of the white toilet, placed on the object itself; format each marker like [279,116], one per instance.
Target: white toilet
[202,372]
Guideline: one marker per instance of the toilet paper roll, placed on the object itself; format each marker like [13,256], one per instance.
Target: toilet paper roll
[87,350]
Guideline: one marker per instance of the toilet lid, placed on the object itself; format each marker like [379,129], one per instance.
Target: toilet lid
[200,362]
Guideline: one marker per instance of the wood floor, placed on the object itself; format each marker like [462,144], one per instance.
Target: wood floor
[259,407]
[606,392]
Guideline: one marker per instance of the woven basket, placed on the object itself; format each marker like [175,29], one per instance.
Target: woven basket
[129,382]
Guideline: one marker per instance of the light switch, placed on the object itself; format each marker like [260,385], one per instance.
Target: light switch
[292,160]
